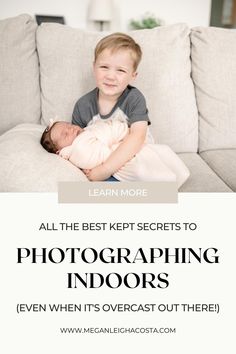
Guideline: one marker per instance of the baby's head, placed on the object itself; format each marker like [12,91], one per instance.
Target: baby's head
[116,42]
[59,135]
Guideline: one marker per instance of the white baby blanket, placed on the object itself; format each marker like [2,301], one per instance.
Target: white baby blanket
[154,162]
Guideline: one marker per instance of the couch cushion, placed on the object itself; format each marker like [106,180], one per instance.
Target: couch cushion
[66,57]
[202,178]
[214,74]
[19,73]
[27,167]
[223,162]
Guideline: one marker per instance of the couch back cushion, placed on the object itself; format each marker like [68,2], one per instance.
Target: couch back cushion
[66,58]
[214,75]
[19,73]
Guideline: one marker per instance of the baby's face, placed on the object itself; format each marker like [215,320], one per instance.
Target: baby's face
[63,134]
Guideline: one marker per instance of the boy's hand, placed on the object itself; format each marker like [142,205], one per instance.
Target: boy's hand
[128,148]
[86,172]
[125,152]
[99,173]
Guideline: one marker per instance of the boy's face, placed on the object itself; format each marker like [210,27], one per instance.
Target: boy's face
[113,72]
[63,134]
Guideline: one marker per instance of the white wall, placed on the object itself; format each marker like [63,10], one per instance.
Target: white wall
[74,11]
[192,12]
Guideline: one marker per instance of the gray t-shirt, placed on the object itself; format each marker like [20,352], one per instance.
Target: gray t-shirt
[131,102]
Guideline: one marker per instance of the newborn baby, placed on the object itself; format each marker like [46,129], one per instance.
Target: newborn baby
[89,147]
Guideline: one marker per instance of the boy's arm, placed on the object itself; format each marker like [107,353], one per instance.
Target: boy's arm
[125,152]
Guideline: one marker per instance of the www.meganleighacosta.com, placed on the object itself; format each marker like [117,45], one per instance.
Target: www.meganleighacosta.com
[117,330]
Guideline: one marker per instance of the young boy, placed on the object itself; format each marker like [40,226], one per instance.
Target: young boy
[115,67]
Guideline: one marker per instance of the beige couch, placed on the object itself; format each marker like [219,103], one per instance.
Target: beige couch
[188,78]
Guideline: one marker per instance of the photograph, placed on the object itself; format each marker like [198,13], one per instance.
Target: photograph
[118,176]
[146,98]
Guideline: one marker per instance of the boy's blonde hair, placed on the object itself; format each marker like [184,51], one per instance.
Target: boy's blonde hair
[117,41]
